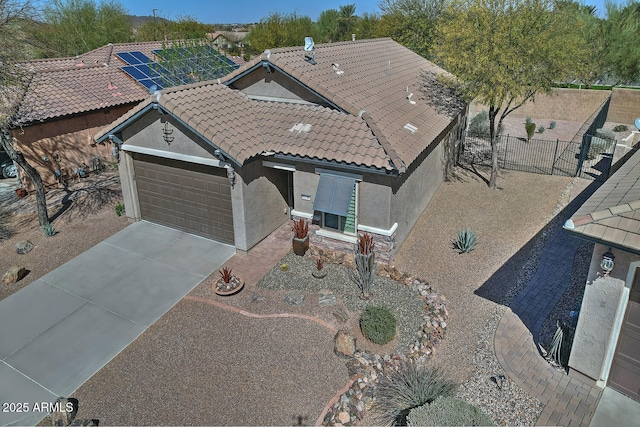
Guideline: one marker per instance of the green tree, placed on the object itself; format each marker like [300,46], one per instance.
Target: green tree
[367,26]
[279,30]
[504,52]
[623,40]
[347,19]
[14,79]
[411,22]
[73,27]
[327,26]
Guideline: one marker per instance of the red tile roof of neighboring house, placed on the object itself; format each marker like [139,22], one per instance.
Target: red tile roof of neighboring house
[611,216]
[91,81]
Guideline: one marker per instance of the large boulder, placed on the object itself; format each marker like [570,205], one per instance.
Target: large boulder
[13,274]
[23,247]
[344,345]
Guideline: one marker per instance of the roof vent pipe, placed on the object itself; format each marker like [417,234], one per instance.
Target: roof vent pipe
[353,37]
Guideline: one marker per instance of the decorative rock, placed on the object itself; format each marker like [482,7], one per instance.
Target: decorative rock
[344,344]
[326,298]
[23,247]
[294,297]
[344,417]
[341,315]
[85,422]
[66,412]
[13,275]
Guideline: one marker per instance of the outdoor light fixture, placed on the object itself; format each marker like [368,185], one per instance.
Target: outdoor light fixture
[607,262]
[231,174]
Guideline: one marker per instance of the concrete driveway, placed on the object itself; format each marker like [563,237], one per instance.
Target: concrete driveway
[61,329]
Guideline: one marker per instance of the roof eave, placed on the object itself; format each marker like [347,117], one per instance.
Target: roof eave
[337,164]
[600,241]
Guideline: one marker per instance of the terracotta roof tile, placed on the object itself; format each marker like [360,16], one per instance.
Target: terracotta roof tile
[375,77]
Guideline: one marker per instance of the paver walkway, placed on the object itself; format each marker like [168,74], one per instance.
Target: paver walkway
[568,401]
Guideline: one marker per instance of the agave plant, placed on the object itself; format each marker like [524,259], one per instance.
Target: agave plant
[466,241]
[49,230]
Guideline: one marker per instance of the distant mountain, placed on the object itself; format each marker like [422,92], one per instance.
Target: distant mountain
[138,21]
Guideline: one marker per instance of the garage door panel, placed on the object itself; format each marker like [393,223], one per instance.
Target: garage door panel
[625,369]
[193,201]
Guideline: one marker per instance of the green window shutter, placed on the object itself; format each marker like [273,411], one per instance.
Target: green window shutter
[350,223]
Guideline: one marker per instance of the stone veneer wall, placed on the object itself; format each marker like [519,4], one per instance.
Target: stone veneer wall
[384,249]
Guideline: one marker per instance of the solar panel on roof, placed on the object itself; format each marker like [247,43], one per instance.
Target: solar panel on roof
[188,65]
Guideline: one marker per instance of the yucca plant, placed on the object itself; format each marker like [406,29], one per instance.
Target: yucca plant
[466,241]
[398,392]
[225,274]
[49,230]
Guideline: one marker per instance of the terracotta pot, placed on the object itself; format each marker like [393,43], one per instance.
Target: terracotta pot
[21,192]
[300,246]
[220,289]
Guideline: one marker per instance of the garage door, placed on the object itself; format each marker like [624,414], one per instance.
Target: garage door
[625,369]
[186,196]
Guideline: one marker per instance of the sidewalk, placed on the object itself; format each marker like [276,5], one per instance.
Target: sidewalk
[568,401]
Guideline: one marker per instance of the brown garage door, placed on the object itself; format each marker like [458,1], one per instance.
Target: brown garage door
[625,369]
[185,196]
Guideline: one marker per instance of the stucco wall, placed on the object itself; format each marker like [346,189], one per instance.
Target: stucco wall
[575,105]
[275,85]
[603,307]
[66,142]
[625,106]
[596,321]
[264,203]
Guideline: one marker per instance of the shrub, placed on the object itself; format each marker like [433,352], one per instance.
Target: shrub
[530,127]
[541,129]
[466,241]
[607,134]
[49,230]
[448,411]
[119,209]
[597,146]
[620,128]
[409,387]
[528,120]
[479,125]
[552,125]
[378,324]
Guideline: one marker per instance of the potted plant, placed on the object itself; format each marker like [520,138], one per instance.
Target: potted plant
[319,272]
[227,283]
[300,240]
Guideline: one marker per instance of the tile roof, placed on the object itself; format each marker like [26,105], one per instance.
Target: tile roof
[245,128]
[87,82]
[612,214]
[374,76]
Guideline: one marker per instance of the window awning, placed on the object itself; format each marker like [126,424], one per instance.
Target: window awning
[333,194]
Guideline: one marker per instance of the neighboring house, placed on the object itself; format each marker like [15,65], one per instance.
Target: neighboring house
[339,140]
[67,101]
[606,346]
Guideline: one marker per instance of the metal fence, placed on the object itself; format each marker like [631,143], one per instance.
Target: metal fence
[566,158]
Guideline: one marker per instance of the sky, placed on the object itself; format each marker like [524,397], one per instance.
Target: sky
[249,11]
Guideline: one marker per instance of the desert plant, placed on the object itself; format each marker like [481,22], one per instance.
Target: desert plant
[225,274]
[284,267]
[448,411]
[300,228]
[530,127]
[398,392]
[607,134]
[378,324]
[527,120]
[596,146]
[49,230]
[620,128]
[479,125]
[319,264]
[365,270]
[466,241]
[552,125]
[365,244]
[119,209]
[541,128]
